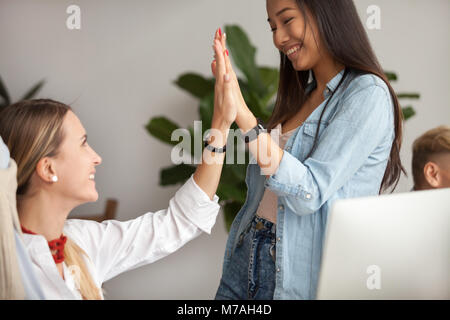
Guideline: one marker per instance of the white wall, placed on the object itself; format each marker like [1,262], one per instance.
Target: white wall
[118,71]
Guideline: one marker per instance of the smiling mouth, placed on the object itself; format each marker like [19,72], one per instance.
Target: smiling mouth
[293,50]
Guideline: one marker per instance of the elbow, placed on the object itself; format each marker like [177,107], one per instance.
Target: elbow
[304,203]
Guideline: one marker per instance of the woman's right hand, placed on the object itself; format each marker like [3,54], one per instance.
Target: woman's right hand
[225,104]
[244,117]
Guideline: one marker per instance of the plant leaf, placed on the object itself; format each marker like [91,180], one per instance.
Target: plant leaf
[195,84]
[408,112]
[269,77]
[391,75]
[34,90]
[206,110]
[243,55]
[162,128]
[175,174]
[408,96]
[4,93]
[230,210]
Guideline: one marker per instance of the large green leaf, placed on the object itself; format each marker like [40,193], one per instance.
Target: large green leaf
[230,192]
[408,112]
[230,209]
[195,84]
[243,55]
[206,110]
[175,174]
[34,90]
[408,96]
[269,77]
[162,128]
[390,75]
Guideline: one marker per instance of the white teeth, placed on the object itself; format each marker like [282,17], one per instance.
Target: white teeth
[291,51]
[91,176]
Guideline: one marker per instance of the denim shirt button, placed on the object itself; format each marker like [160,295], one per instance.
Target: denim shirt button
[278,239]
[308,196]
[278,270]
[288,148]
[281,207]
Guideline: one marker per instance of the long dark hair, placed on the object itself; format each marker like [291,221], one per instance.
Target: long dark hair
[344,37]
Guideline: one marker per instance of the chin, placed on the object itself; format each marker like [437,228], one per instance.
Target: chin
[93,197]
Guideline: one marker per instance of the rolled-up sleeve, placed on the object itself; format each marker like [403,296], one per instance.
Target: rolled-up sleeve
[363,122]
[115,247]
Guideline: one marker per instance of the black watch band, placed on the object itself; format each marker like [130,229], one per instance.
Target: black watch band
[255,131]
[214,149]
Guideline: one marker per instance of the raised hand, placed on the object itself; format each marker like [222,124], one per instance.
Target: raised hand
[225,104]
[243,114]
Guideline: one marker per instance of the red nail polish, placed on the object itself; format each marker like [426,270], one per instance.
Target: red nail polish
[226,51]
[220,32]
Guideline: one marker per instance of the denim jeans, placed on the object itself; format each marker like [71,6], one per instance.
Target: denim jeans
[251,272]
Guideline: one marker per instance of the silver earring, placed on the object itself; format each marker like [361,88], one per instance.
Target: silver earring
[55,179]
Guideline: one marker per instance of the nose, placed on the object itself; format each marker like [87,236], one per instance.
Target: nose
[97,159]
[280,38]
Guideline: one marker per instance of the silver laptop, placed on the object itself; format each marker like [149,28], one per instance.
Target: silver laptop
[388,247]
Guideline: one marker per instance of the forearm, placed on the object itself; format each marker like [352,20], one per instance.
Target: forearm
[265,150]
[207,175]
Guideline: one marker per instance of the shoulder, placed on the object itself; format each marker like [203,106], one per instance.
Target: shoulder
[364,95]
[368,84]
[81,231]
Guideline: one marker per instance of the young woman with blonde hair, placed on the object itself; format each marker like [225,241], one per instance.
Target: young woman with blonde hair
[56,172]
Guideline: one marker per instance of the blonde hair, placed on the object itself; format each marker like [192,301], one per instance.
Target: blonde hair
[32,130]
[432,142]
[11,286]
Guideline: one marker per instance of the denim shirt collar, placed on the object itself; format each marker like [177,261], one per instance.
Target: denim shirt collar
[331,85]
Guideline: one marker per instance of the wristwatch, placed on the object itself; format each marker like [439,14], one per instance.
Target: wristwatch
[255,131]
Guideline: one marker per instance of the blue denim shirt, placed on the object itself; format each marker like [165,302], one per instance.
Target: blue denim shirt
[354,143]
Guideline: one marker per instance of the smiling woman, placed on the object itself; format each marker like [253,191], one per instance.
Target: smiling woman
[56,171]
[341,132]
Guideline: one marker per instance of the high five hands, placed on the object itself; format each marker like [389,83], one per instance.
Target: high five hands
[228,99]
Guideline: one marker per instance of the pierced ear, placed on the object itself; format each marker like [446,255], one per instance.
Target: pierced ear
[432,174]
[45,169]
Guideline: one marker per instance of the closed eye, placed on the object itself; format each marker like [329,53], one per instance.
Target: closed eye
[285,22]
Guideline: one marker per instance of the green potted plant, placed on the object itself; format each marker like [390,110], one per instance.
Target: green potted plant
[6,100]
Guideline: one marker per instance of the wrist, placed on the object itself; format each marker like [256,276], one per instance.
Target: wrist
[218,133]
[246,120]
[220,124]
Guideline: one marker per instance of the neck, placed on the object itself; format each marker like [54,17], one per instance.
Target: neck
[43,214]
[326,70]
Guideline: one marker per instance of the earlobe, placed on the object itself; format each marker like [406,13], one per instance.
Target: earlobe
[432,175]
[45,170]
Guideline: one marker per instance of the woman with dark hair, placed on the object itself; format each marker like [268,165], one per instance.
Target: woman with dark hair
[341,131]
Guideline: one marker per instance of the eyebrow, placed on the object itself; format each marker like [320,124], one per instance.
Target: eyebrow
[280,12]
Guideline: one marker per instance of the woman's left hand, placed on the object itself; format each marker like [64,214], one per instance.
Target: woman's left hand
[242,111]
[225,106]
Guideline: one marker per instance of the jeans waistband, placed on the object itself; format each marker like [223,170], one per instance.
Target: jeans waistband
[264,224]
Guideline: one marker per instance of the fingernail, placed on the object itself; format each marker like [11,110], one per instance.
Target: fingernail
[220,32]
[226,51]
[224,35]
[226,77]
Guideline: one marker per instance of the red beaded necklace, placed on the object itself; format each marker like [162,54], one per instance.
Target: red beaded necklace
[56,246]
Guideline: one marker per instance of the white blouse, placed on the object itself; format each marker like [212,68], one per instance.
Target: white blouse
[114,247]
